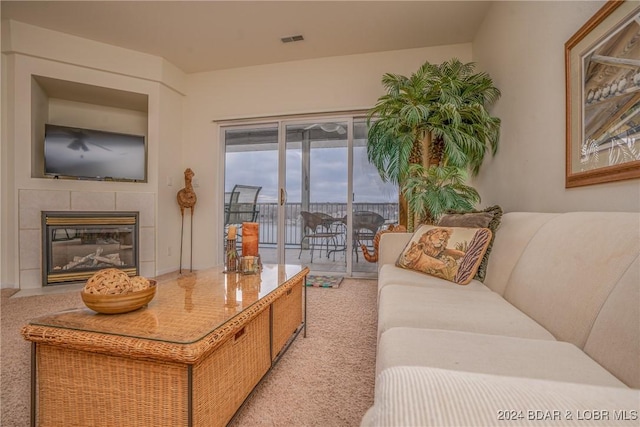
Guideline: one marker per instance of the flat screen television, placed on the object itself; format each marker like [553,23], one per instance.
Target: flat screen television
[93,154]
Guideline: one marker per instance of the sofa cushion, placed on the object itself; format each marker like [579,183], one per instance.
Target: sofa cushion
[482,312]
[487,218]
[490,354]
[570,267]
[420,396]
[451,253]
[391,244]
[614,340]
[516,230]
[389,274]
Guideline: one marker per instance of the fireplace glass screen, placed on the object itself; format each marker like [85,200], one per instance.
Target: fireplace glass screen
[77,244]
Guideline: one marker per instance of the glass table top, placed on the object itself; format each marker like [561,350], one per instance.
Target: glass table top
[185,308]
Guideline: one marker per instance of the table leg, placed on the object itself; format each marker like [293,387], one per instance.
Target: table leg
[33,385]
[304,284]
[190,395]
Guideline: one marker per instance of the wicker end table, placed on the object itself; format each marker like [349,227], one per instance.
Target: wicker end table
[190,358]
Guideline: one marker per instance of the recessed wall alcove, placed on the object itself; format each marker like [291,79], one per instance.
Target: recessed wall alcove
[80,105]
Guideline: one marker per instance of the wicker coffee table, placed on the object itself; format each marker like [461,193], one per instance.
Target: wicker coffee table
[190,358]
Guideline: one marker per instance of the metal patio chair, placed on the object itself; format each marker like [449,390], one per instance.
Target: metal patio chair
[241,205]
[317,231]
[365,226]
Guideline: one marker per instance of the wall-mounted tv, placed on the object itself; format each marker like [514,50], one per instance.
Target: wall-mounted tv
[93,154]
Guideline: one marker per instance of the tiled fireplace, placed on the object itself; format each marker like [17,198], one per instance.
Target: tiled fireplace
[33,202]
[77,244]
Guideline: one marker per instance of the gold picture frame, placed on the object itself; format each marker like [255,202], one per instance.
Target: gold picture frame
[602,71]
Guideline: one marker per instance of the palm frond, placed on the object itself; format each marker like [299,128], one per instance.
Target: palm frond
[433,191]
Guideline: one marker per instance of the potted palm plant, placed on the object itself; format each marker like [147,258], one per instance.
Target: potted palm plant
[432,191]
[437,117]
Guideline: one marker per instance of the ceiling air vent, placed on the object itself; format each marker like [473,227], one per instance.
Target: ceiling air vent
[290,39]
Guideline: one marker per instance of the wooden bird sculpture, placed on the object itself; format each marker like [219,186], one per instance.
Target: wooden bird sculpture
[187,197]
[187,200]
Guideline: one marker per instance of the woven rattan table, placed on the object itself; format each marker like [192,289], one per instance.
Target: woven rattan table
[190,358]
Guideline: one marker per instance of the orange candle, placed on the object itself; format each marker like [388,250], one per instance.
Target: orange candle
[231,235]
[250,234]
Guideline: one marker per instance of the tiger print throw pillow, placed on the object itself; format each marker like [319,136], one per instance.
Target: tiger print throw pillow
[451,253]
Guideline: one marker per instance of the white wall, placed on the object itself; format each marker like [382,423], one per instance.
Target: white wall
[30,51]
[521,44]
[3,88]
[170,180]
[8,228]
[321,85]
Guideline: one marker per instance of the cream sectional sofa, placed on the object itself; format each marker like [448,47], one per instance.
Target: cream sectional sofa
[552,336]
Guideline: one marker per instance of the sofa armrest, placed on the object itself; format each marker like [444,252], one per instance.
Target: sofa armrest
[422,396]
[391,244]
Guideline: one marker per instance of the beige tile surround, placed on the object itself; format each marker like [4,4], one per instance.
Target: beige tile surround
[32,202]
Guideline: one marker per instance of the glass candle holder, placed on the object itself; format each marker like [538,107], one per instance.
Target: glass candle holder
[249,264]
[230,256]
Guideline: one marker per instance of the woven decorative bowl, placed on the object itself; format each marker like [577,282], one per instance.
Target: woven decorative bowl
[116,304]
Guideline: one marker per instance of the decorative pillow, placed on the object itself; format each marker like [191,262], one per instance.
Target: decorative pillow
[451,253]
[489,218]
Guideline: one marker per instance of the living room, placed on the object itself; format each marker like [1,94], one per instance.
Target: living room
[520,44]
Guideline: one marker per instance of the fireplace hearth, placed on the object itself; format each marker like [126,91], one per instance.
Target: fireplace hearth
[77,244]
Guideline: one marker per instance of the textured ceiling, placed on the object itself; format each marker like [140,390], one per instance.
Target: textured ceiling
[201,36]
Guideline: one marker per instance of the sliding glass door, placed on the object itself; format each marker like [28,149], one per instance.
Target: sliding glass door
[251,187]
[375,203]
[316,185]
[319,199]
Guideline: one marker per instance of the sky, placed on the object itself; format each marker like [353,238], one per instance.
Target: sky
[328,176]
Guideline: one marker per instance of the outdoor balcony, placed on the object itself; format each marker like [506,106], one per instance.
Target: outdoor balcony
[332,260]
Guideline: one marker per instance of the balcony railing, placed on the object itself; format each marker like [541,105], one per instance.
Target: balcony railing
[268,218]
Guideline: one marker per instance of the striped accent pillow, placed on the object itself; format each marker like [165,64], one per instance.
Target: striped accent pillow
[488,218]
[451,253]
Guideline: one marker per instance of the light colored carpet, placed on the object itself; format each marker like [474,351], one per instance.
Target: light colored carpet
[326,379]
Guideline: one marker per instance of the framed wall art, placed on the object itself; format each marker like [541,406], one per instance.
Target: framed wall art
[602,62]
